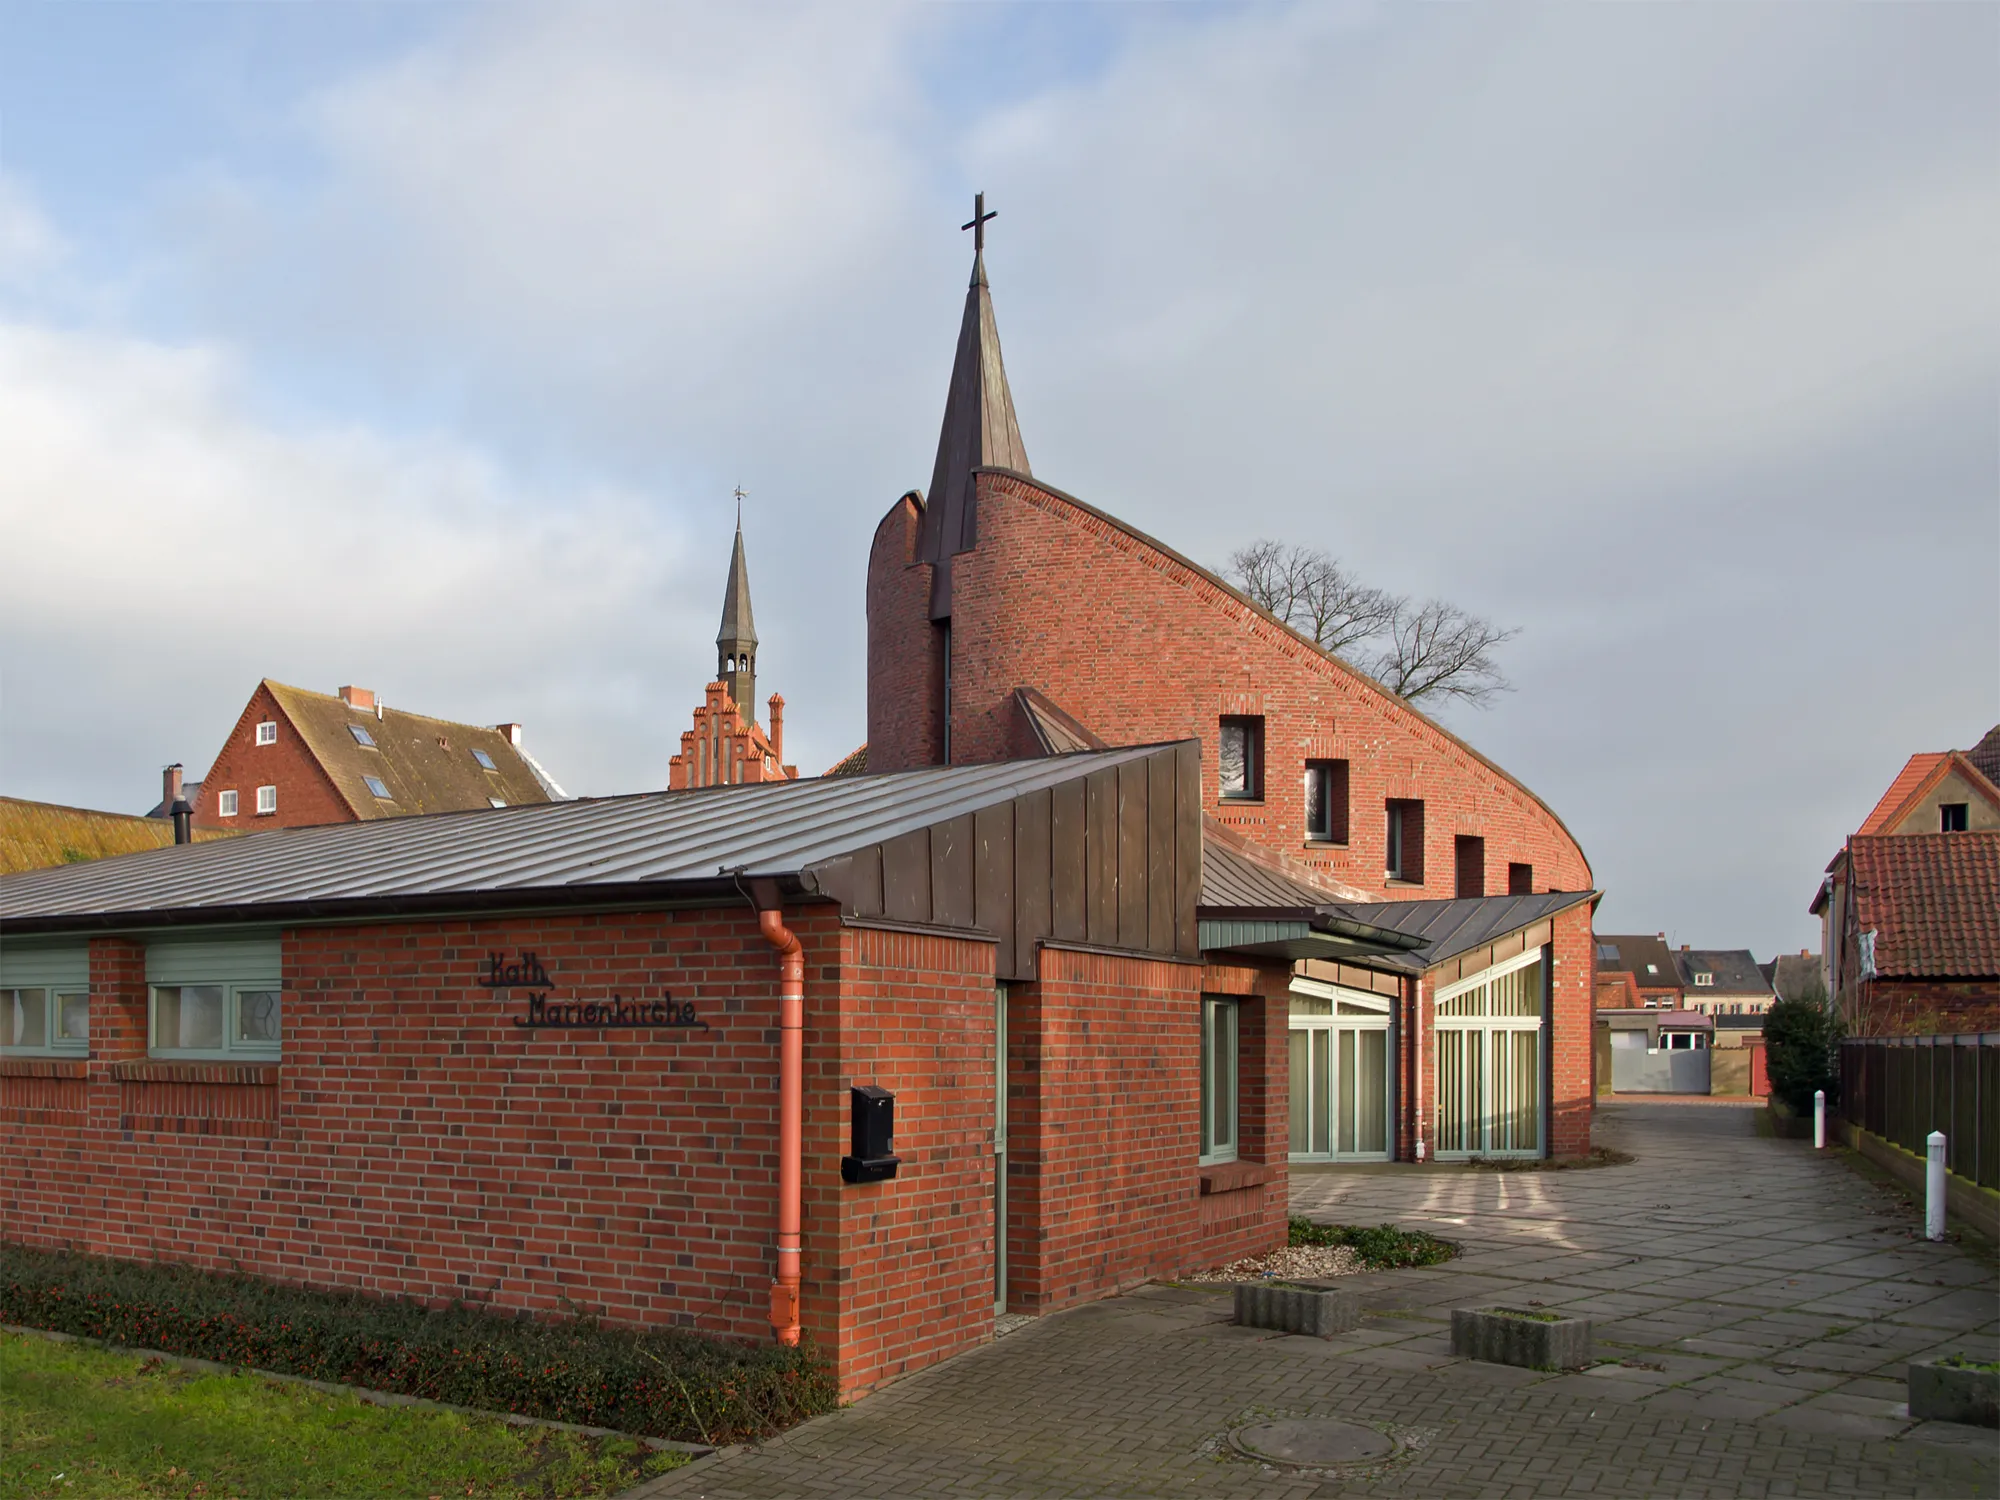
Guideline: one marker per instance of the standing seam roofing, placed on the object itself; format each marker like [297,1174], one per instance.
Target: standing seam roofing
[773,828]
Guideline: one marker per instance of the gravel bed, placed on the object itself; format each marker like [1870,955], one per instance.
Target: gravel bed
[1294,1262]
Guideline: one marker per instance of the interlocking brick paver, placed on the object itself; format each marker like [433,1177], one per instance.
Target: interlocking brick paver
[1719,1239]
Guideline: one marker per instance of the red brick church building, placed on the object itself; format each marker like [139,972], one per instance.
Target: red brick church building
[1007,618]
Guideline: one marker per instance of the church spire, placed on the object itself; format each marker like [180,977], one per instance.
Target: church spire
[736,641]
[979,427]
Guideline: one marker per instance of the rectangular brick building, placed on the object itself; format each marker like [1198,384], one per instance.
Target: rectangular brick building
[538,1057]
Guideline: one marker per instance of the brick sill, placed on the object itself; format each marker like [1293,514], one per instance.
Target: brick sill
[1228,1176]
[260,1075]
[44,1067]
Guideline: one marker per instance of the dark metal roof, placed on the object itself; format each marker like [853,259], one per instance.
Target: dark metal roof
[1735,971]
[1635,951]
[650,846]
[1449,928]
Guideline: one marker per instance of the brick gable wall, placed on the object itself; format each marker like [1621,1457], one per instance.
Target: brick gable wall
[306,794]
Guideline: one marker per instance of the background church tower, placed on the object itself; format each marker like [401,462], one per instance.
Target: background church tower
[727,746]
[736,641]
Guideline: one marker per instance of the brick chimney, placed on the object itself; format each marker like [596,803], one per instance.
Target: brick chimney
[355,697]
[777,707]
[170,787]
[512,732]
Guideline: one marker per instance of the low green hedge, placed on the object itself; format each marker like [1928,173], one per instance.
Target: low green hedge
[1382,1247]
[667,1384]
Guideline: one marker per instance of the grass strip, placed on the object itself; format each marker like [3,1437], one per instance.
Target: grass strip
[94,1424]
[1382,1247]
[662,1383]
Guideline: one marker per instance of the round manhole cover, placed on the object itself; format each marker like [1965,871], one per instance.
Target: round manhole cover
[1313,1443]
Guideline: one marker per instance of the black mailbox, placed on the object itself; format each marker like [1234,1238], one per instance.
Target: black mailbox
[874,1137]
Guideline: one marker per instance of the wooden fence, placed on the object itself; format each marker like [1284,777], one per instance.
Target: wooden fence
[1901,1088]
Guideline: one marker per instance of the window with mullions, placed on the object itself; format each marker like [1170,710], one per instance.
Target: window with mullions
[216,1020]
[44,1000]
[1218,1081]
[43,1020]
[216,998]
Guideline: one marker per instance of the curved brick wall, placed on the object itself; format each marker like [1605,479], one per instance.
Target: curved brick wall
[1142,646]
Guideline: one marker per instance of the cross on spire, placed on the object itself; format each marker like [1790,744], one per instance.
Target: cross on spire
[978,222]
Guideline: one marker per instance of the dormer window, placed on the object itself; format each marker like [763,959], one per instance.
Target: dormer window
[1704,979]
[485,760]
[267,732]
[361,736]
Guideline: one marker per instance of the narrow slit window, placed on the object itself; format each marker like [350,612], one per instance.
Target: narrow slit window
[1241,751]
[1326,801]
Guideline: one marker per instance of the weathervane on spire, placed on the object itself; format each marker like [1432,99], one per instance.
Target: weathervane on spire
[741,495]
[978,222]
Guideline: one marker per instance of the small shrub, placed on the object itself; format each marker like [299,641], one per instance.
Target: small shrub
[1384,1247]
[668,1384]
[1802,1049]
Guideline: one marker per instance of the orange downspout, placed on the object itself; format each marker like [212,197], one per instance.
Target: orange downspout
[791,1116]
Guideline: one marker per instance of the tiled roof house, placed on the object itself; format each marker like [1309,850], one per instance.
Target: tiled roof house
[40,835]
[296,758]
[1910,906]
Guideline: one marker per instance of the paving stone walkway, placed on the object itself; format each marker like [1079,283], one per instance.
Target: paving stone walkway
[1755,1306]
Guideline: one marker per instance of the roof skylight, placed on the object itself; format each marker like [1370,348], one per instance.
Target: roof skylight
[484,759]
[379,787]
[361,736]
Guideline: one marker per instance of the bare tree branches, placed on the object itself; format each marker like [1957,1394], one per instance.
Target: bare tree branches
[1313,594]
[1429,650]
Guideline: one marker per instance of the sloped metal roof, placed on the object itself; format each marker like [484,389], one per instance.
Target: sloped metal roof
[608,848]
[1449,928]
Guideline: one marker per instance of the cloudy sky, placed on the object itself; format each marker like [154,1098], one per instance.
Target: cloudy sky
[420,346]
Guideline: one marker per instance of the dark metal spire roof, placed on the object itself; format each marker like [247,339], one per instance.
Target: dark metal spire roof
[979,432]
[738,628]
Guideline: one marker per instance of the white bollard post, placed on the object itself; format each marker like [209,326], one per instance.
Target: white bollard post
[1934,1186]
[1819,1119]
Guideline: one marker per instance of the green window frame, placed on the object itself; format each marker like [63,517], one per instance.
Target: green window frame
[45,1001]
[215,999]
[1219,1081]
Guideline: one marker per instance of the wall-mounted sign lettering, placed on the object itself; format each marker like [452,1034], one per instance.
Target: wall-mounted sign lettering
[544,1013]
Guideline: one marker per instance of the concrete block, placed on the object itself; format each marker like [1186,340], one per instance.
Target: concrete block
[1318,1312]
[1520,1336]
[1941,1392]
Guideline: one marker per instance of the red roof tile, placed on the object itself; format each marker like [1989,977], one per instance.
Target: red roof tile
[1901,790]
[1933,901]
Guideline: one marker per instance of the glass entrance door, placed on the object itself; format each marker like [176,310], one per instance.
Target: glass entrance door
[1339,1074]
[1489,1062]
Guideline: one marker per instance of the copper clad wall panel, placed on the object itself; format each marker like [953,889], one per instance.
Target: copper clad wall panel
[1100,862]
[1187,847]
[906,877]
[951,872]
[1067,843]
[1160,852]
[1034,884]
[1132,862]
[993,879]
